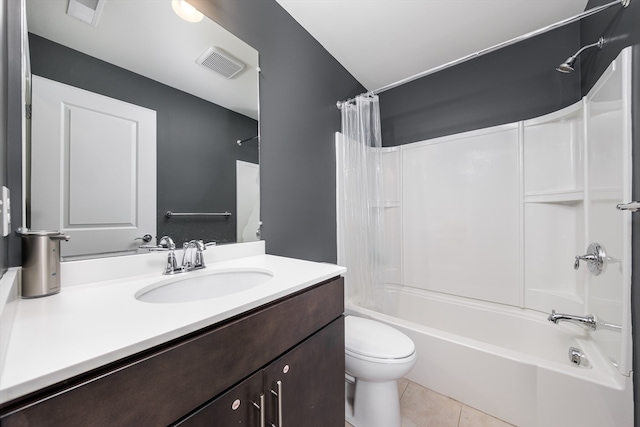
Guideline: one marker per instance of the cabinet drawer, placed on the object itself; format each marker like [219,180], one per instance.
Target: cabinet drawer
[162,386]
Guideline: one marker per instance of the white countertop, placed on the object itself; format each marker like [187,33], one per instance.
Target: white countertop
[88,325]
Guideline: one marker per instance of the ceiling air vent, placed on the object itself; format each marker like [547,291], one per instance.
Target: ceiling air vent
[86,10]
[216,59]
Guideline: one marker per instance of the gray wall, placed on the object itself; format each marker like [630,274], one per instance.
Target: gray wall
[299,86]
[300,83]
[513,83]
[635,233]
[196,139]
[14,128]
[619,26]
[4,61]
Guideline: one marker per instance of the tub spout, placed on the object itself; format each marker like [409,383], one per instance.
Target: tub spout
[588,321]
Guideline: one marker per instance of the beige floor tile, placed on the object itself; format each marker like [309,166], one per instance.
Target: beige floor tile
[420,407]
[471,417]
[402,386]
[407,423]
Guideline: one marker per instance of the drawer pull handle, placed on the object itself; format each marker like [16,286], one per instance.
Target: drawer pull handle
[261,408]
[278,394]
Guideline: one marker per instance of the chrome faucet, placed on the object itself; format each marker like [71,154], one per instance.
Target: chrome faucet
[167,243]
[589,321]
[192,257]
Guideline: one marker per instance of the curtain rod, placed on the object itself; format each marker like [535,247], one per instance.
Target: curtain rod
[526,36]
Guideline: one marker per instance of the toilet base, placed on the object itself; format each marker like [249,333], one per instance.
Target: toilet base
[372,404]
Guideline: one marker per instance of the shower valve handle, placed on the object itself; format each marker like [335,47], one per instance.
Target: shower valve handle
[596,259]
[588,258]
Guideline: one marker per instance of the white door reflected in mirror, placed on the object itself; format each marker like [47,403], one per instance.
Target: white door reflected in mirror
[93,167]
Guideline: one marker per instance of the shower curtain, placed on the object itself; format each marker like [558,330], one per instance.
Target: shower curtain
[360,209]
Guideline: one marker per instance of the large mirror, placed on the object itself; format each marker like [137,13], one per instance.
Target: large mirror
[137,129]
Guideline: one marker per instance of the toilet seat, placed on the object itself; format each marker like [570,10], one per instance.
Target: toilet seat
[376,342]
[403,360]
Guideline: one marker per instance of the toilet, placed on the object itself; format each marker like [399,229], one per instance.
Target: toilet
[376,355]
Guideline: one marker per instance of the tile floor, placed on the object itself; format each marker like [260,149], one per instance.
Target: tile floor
[421,407]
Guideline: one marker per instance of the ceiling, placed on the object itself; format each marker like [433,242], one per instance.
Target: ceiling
[148,38]
[383,41]
[378,41]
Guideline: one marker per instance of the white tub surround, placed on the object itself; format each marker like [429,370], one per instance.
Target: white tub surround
[534,195]
[481,233]
[505,361]
[88,325]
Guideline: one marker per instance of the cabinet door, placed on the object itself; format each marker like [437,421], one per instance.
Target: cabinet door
[311,377]
[239,406]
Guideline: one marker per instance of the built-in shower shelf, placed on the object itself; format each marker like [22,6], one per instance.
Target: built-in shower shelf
[571,196]
[604,107]
[387,204]
[605,193]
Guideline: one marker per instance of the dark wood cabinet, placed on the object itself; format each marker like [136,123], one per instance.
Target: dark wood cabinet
[310,385]
[240,406]
[197,379]
[304,387]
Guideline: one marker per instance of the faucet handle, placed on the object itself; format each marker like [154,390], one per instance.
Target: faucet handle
[596,259]
[172,263]
[587,257]
[199,258]
[192,257]
[167,242]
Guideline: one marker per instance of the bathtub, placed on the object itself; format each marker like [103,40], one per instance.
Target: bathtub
[508,362]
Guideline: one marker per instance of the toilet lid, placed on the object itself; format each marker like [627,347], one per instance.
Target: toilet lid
[374,339]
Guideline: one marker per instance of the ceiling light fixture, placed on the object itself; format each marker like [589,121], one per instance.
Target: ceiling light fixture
[185,11]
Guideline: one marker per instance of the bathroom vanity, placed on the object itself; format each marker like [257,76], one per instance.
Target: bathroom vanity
[280,362]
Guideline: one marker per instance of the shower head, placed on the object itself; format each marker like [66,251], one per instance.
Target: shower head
[567,66]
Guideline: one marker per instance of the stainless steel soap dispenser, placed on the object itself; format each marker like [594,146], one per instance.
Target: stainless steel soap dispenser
[40,262]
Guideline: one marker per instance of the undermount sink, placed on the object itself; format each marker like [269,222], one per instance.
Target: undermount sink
[188,287]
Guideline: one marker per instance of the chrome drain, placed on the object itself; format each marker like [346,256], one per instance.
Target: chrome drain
[577,357]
